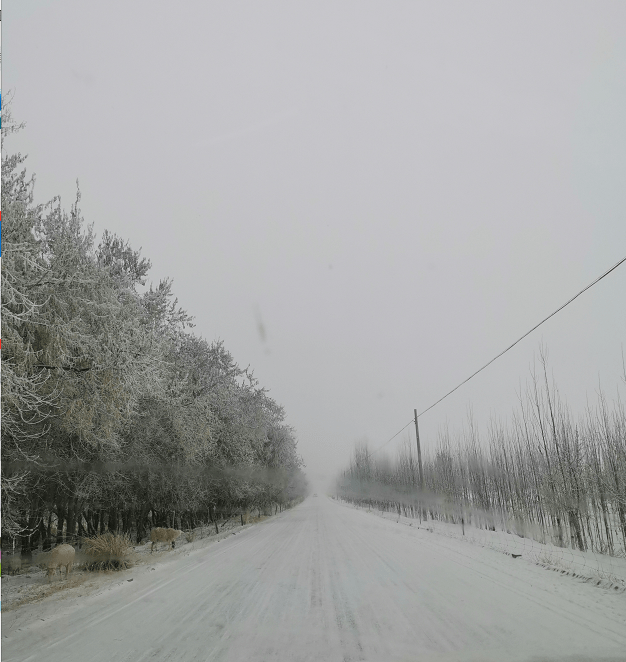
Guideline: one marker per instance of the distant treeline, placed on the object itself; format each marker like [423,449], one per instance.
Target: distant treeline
[115,416]
[544,475]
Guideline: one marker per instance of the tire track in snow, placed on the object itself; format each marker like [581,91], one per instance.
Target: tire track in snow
[558,607]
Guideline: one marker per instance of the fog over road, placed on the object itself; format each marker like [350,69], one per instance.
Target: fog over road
[325,581]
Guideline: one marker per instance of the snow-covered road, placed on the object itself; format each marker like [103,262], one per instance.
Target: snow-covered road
[325,581]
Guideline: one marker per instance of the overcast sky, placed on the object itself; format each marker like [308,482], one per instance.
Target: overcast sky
[365,200]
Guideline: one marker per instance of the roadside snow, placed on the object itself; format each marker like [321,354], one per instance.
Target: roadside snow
[600,569]
[31,585]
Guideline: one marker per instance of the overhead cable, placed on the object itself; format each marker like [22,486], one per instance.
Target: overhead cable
[597,280]
[392,438]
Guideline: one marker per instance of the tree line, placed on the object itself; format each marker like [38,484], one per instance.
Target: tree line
[544,474]
[115,415]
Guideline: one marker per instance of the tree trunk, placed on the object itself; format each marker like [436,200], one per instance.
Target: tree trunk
[71,522]
[81,528]
[127,519]
[91,523]
[61,518]
[47,541]
[34,524]
[26,540]
[622,520]
[140,529]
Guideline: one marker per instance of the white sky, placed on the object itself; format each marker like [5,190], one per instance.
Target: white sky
[395,190]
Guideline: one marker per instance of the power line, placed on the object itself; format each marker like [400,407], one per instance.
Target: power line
[597,280]
[392,438]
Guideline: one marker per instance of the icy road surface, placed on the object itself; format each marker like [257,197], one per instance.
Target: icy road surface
[328,582]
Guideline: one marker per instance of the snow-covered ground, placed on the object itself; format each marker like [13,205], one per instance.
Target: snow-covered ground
[31,583]
[601,569]
[326,581]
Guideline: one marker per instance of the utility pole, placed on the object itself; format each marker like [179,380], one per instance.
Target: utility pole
[419,451]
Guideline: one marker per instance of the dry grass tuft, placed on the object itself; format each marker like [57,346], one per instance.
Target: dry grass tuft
[107,551]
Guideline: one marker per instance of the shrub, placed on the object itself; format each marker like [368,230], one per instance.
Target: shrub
[107,551]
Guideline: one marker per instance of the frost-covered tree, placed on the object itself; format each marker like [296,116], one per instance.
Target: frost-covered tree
[112,409]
